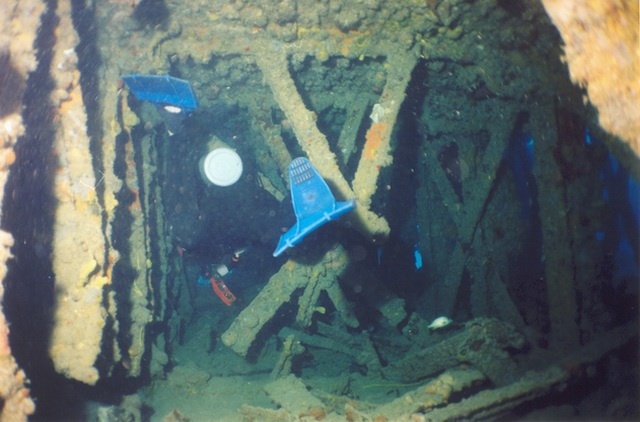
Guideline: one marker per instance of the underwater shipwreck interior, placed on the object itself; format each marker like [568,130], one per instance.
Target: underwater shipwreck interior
[479,159]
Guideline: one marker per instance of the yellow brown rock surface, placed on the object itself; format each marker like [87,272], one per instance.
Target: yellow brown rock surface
[78,246]
[19,21]
[85,304]
[602,49]
[17,402]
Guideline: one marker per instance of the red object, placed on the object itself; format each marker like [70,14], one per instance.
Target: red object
[222,291]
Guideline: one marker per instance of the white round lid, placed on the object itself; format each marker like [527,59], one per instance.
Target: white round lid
[222,166]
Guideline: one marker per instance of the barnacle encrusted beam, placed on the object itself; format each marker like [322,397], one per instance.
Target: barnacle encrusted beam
[376,153]
[355,115]
[272,158]
[292,276]
[557,248]
[477,191]
[78,256]
[20,20]
[275,68]
[140,259]
[377,148]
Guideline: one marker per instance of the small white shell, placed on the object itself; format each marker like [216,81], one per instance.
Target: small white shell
[377,113]
[172,109]
[440,322]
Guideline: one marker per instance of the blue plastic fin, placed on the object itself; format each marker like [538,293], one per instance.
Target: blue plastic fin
[313,203]
[163,91]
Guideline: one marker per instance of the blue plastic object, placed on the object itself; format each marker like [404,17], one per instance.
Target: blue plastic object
[162,90]
[417,257]
[313,203]
[203,281]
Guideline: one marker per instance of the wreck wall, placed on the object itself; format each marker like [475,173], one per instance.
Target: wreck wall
[19,21]
[602,49]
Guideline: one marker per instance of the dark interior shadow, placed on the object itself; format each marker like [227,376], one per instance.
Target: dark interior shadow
[399,202]
[12,84]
